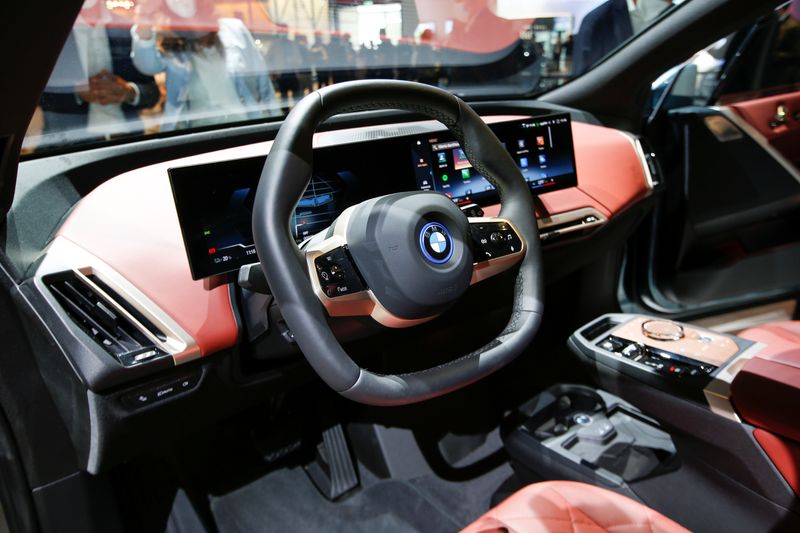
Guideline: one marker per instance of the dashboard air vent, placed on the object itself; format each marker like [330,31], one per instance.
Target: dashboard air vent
[106,318]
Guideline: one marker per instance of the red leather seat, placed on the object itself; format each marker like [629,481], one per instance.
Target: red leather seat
[777,335]
[571,507]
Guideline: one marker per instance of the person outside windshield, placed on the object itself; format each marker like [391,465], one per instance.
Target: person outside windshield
[213,75]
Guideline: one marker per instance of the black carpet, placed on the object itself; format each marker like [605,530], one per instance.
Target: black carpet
[285,500]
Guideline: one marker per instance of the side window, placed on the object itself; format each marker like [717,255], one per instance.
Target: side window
[766,60]
[762,59]
[753,75]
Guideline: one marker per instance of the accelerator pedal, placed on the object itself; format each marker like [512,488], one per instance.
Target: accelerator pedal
[333,471]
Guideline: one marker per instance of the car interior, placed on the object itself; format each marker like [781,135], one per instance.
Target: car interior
[449,298]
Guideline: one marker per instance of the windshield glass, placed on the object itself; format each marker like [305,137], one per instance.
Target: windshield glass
[138,67]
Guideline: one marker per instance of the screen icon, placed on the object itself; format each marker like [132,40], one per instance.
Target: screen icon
[521,143]
[542,159]
[442,157]
[523,162]
[465,174]
[445,177]
[539,141]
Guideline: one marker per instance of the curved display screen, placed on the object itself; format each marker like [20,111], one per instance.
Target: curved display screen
[214,201]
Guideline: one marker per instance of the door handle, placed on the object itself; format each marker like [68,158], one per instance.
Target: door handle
[781,116]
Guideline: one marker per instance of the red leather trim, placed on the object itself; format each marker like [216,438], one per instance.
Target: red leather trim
[784,454]
[559,202]
[766,392]
[610,174]
[778,337]
[759,113]
[570,506]
[609,170]
[130,223]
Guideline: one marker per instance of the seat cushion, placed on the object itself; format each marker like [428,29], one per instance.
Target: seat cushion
[571,507]
[766,390]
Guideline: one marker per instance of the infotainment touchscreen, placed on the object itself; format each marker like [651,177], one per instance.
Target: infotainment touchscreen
[541,147]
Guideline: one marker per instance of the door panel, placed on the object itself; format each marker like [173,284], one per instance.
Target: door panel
[777,119]
[724,235]
[741,211]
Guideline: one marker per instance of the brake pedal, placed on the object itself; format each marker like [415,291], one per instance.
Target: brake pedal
[333,471]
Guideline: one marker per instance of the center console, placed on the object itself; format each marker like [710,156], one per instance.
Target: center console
[720,422]
[685,360]
[582,434]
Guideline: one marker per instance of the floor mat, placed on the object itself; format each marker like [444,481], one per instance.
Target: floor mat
[466,500]
[285,500]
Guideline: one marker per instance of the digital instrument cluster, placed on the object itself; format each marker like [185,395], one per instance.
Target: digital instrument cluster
[215,207]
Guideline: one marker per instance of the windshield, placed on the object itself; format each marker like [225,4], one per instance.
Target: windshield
[139,67]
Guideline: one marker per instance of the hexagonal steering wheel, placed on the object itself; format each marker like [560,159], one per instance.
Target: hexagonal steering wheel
[401,259]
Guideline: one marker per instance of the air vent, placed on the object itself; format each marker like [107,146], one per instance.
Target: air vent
[105,317]
[571,224]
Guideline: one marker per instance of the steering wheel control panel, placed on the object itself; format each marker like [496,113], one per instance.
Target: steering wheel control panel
[493,239]
[661,352]
[337,274]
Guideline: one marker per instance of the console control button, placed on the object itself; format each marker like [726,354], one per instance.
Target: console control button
[662,330]
[662,362]
[599,429]
[632,350]
[337,274]
[162,391]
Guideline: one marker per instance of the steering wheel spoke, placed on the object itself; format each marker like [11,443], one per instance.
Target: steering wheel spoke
[338,283]
[497,246]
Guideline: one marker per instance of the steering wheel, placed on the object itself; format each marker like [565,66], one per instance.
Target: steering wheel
[401,259]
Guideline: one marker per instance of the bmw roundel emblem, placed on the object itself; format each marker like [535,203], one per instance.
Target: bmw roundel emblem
[436,243]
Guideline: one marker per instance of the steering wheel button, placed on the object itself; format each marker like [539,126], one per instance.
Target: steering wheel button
[337,272]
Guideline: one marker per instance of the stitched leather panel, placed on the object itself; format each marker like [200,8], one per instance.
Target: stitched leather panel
[571,507]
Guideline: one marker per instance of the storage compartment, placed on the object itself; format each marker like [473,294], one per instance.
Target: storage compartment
[579,433]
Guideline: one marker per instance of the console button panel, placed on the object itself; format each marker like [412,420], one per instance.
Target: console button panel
[162,391]
[661,361]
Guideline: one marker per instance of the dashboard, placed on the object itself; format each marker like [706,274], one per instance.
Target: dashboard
[129,235]
[145,328]
[214,201]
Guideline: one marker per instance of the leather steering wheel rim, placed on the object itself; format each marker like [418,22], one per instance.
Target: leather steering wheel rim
[287,173]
